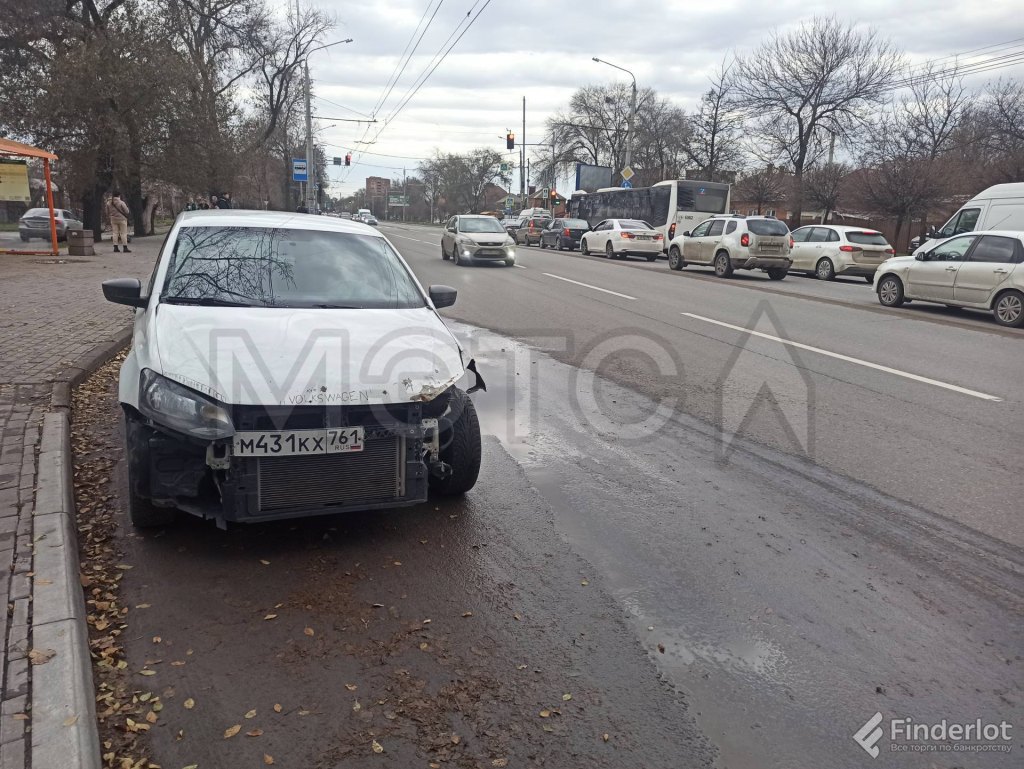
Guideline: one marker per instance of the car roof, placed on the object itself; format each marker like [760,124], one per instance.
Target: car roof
[843,228]
[476,216]
[1019,234]
[295,221]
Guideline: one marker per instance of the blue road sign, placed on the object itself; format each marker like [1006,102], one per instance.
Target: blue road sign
[627,185]
[299,170]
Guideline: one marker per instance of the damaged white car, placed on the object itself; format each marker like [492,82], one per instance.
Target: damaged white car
[285,366]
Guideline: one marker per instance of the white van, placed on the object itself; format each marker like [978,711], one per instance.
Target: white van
[1000,207]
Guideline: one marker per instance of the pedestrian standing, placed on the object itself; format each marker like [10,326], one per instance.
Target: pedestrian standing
[117,212]
[214,202]
[225,201]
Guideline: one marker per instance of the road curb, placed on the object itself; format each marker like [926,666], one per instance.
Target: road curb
[64,729]
[74,375]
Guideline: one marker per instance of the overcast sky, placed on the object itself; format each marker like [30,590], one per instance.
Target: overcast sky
[543,50]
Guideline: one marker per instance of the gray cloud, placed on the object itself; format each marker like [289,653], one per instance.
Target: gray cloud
[529,48]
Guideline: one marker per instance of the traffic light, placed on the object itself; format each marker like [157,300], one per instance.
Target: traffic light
[337,161]
[348,159]
[554,198]
[510,141]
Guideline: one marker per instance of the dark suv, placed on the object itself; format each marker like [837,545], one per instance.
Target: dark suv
[530,229]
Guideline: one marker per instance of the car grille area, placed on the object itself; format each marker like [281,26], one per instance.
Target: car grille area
[375,474]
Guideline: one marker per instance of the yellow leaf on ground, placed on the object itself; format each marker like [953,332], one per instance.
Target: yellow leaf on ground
[566,697]
[270,616]
[264,562]
[605,737]
[147,672]
[545,713]
[277,707]
[251,713]
[267,759]
[189,703]
[377,747]
[499,762]
[351,687]
[71,720]
[232,731]
[151,717]
[467,614]
[309,631]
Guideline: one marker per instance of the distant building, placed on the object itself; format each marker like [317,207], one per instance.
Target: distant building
[377,189]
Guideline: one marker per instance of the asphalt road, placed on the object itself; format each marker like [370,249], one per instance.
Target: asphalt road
[742,598]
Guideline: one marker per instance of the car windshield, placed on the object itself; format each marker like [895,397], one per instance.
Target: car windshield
[867,238]
[483,224]
[767,227]
[280,267]
[40,212]
[634,224]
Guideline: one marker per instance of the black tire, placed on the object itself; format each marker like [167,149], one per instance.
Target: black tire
[1008,309]
[777,273]
[24,238]
[583,247]
[723,267]
[675,258]
[141,511]
[890,291]
[825,270]
[444,254]
[516,239]
[609,252]
[460,446]
[510,262]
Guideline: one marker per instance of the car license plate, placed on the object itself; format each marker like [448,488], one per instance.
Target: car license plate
[643,237]
[288,443]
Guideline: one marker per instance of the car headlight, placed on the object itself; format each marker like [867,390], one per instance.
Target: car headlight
[510,250]
[179,408]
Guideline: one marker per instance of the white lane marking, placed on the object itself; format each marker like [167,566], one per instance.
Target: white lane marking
[415,240]
[848,359]
[519,266]
[587,285]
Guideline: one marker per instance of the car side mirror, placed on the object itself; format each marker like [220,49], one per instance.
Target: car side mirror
[442,296]
[686,234]
[922,257]
[124,291]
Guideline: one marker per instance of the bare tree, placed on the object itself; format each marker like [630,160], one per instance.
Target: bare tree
[823,187]
[816,78]
[762,187]
[713,143]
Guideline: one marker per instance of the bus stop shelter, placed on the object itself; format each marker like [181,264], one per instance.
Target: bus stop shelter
[9,148]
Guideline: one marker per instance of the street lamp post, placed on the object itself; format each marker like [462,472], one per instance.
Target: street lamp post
[310,191]
[632,109]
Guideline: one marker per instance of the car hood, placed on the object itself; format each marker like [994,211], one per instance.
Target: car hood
[279,356]
[899,261]
[487,238]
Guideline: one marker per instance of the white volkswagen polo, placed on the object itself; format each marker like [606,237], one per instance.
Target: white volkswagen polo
[285,365]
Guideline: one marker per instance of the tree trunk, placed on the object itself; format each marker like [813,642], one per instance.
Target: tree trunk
[92,199]
[797,208]
[896,235]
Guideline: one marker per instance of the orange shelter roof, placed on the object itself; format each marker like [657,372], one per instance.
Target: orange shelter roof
[9,147]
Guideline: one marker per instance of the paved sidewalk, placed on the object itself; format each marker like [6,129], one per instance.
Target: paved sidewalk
[52,317]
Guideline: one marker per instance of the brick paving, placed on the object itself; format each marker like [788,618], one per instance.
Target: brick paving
[52,312]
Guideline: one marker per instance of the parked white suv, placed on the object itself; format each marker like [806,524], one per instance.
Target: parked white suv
[978,269]
[828,250]
[285,366]
[735,243]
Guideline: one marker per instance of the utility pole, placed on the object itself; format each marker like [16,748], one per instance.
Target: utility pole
[405,193]
[310,197]
[522,159]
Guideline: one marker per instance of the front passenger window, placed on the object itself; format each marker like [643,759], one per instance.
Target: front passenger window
[953,250]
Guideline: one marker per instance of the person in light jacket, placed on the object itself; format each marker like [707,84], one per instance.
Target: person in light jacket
[117,212]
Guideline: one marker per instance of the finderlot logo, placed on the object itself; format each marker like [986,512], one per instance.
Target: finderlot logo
[869,735]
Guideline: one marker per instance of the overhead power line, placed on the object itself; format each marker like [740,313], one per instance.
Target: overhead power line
[402,61]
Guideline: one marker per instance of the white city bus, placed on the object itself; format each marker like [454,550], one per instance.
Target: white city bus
[676,204]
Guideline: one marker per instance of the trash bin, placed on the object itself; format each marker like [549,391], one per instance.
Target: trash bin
[80,243]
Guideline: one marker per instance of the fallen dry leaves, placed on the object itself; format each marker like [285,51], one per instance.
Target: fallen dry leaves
[231,731]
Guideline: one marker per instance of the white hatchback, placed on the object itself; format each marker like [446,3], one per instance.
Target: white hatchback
[829,250]
[978,269]
[285,366]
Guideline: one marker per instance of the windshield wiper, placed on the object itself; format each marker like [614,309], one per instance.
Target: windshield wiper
[321,306]
[204,301]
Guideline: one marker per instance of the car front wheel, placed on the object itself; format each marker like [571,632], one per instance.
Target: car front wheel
[141,511]
[825,270]
[890,291]
[460,446]
[1009,309]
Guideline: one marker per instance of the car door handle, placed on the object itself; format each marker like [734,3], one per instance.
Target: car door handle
[952,269]
[1001,272]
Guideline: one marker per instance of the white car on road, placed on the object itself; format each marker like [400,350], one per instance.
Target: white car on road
[285,366]
[828,250]
[622,238]
[979,269]
[733,242]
